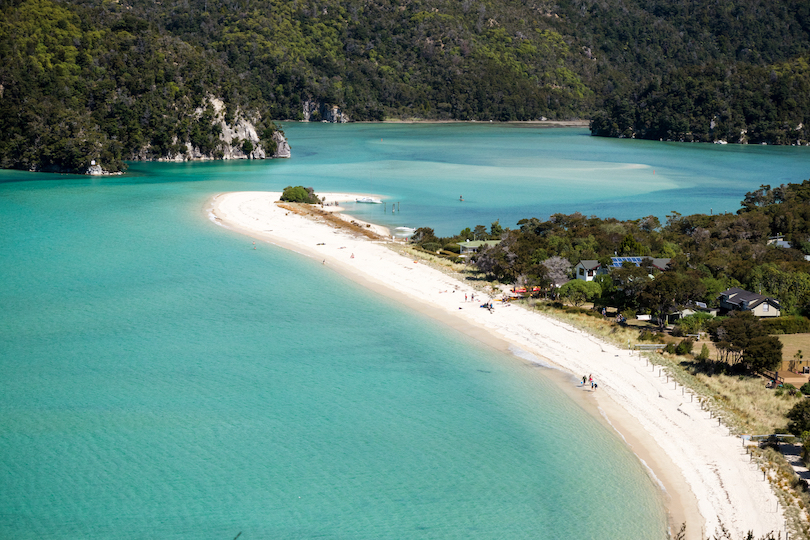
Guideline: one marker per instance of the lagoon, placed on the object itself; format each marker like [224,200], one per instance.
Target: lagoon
[516,171]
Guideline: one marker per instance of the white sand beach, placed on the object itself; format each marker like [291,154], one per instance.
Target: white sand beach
[705,472]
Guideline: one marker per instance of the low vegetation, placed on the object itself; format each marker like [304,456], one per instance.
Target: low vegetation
[300,194]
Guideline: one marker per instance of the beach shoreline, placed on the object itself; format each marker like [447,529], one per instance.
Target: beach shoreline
[690,457]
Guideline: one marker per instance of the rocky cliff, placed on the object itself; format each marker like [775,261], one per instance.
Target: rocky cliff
[238,138]
[315,111]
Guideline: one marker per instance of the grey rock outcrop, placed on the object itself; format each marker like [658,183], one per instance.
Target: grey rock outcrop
[282,146]
[234,138]
[96,169]
[315,111]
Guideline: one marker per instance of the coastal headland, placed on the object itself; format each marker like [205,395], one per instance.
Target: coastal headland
[703,471]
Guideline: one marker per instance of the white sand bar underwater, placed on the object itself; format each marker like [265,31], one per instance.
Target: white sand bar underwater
[705,472]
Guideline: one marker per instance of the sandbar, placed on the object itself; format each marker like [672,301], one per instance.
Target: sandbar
[703,470]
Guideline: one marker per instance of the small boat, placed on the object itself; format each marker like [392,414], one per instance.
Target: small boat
[370,200]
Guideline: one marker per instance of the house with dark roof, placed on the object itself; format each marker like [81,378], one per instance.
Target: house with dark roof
[588,269]
[736,299]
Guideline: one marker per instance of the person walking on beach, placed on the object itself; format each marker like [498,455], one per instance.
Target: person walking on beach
[584,378]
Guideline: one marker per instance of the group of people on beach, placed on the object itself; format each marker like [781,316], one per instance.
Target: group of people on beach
[589,378]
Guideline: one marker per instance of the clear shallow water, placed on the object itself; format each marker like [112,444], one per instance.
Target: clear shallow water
[511,172]
[160,378]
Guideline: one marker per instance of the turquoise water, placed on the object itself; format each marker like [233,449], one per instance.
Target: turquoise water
[511,172]
[161,379]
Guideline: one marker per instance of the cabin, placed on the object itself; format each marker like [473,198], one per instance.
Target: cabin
[736,299]
[587,269]
[778,241]
[472,247]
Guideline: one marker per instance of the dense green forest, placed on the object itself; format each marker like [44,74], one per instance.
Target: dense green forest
[117,80]
[709,253]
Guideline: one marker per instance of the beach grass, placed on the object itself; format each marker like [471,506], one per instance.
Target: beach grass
[745,402]
[310,210]
[594,324]
[791,491]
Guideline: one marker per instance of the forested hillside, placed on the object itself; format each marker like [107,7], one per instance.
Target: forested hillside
[130,79]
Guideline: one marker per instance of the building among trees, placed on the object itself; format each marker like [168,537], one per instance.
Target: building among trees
[736,299]
[588,269]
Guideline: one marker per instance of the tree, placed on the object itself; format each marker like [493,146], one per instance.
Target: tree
[743,338]
[649,224]
[465,234]
[629,281]
[662,295]
[578,291]
[630,246]
[763,353]
[799,417]
[792,289]
[424,235]
[495,230]
[299,194]
[558,268]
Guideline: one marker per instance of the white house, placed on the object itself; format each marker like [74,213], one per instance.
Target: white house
[586,270]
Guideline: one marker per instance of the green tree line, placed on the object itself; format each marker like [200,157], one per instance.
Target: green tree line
[127,80]
[709,253]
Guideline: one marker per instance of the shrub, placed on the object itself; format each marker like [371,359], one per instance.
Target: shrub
[805,389]
[694,323]
[454,248]
[790,389]
[677,331]
[646,335]
[431,246]
[787,325]
[704,353]
[670,348]
[685,347]
[299,194]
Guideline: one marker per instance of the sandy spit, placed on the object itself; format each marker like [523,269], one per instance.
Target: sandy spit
[704,471]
